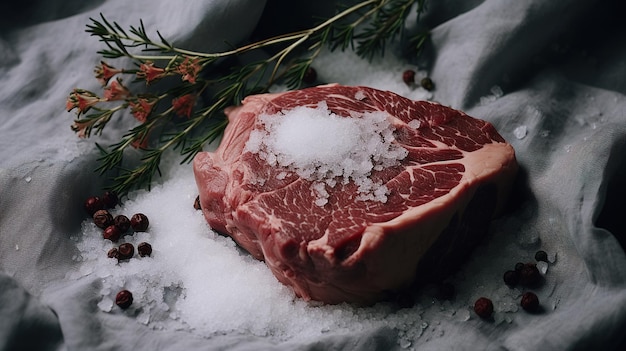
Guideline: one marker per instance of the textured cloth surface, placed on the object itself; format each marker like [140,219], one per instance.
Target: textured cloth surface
[550,75]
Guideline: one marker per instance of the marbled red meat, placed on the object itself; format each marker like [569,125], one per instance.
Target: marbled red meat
[441,196]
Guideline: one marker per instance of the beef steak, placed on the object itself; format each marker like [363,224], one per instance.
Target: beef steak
[456,175]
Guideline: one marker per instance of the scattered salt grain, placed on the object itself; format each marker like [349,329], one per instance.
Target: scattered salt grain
[552,257]
[321,146]
[415,124]
[360,95]
[520,132]
[106,304]
[496,93]
[555,303]
[405,343]
[143,318]
[28,179]
[528,238]
[542,267]
[507,306]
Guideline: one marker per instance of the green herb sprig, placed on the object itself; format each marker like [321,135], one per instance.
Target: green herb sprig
[189,115]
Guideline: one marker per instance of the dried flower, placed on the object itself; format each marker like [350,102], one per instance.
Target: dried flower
[104,72]
[386,22]
[149,72]
[141,108]
[140,140]
[116,91]
[189,69]
[80,127]
[81,99]
[183,106]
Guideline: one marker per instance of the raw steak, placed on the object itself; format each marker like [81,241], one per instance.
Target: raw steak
[440,198]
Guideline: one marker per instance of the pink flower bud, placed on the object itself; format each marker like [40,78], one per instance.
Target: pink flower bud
[189,69]
[116,91]
[141,108]
[81,99]
[150,73]
[183,106]
[104,72]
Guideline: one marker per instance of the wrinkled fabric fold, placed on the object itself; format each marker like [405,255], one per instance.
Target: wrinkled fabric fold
[552,88]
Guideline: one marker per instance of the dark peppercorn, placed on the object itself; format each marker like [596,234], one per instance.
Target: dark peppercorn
[511,278]
[113,253]
[483,307]
[529,275]
[124,299]
[110,199]
[125,251]
[122,223]
[310,76]
[541,256]
[427,83]
[144,249]
[408,76]
[139,222]
[102,219]
[530,301]
[196,203]
[112,233]
[519,266]
[93,204]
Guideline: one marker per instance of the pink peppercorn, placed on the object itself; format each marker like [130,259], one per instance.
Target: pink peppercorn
[124,299]
[483,307]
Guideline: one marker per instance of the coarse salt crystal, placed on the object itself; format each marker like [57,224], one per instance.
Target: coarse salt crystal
[321,146]
[542,267]
[415,123]
[520,132]
[105,305]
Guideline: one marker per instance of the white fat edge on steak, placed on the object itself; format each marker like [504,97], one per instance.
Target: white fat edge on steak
[325,148]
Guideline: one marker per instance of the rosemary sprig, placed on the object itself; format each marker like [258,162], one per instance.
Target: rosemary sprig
[189,115]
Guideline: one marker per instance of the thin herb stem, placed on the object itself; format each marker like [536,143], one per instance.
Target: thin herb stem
[381,20]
